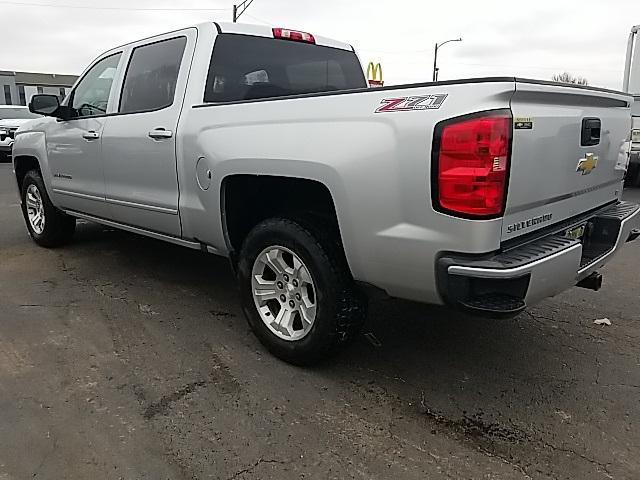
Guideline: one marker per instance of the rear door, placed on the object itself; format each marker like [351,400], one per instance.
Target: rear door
[568,154]
[139,144]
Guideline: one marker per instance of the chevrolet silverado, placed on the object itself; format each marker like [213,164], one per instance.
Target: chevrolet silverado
[266,146]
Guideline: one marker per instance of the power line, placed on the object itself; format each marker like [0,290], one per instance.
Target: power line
[259,19]
[133,9]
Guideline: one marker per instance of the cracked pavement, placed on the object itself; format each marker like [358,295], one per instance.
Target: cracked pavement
[122,357]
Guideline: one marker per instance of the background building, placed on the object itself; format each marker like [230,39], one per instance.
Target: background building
[17,88]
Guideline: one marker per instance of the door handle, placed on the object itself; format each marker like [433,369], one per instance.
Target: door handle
[590,135]
[159,133]
[91,135]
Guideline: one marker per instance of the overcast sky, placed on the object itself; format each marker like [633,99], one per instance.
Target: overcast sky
[528,38]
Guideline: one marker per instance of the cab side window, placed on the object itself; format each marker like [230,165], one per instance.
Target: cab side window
[150,81]
[91,95]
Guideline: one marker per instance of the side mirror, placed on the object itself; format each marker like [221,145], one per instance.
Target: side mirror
[44,104]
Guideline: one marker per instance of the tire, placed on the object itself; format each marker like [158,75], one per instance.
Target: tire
[340,308]
[57,228]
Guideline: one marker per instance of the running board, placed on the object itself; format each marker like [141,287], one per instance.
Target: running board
[147,233]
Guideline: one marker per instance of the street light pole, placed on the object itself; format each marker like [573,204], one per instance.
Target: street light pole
[240,8]
[435,56]
[435,63]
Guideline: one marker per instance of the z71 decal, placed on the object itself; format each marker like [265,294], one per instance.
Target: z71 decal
[404,104]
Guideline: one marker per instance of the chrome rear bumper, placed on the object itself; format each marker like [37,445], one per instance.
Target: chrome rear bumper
[543,267]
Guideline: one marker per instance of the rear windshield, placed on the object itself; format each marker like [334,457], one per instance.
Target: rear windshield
[248,68]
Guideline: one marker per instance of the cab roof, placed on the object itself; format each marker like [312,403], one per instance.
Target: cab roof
[237,28]
[267,31]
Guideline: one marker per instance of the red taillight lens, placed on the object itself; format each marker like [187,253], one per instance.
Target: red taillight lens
[472,165]
[296,36]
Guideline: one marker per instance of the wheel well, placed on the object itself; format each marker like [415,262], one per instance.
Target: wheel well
[249,199]
[22,165]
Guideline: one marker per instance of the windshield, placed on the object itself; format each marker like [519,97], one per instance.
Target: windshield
[16,113]
[245,68]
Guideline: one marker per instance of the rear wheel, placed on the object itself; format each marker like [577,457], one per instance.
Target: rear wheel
[297,291]
[48,226]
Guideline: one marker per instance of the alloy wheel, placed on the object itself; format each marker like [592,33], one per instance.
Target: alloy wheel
[35,209]
[284,293]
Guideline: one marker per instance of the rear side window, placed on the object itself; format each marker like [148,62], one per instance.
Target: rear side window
[247,68]
[150,82]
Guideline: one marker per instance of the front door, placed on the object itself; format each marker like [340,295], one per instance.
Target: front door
[139,141]
[74,146]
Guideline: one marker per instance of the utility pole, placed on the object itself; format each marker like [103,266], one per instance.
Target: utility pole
[240,8]
[435,57]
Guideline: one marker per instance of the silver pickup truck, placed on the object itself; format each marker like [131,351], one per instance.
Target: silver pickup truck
[264,145]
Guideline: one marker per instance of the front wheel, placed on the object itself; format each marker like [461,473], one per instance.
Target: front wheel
[297,291]
[48,226]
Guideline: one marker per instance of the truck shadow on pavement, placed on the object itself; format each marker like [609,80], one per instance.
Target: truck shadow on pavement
[506,387]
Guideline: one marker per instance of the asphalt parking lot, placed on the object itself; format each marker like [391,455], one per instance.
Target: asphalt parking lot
[122,357]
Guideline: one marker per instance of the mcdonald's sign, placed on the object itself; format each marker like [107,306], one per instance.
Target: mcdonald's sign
[374,75]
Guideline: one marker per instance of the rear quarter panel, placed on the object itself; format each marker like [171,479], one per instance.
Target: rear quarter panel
[375,165]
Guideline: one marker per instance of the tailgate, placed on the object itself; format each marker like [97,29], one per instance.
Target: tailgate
[559,166]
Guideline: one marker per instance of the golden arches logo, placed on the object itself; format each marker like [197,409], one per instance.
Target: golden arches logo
[374,75]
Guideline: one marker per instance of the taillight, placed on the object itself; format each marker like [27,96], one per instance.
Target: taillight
[472,163]
[296,36]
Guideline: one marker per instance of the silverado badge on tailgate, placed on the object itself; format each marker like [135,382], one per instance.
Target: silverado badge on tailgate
[587,164]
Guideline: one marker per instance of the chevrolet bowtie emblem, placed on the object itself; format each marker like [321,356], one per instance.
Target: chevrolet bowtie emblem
[587,164]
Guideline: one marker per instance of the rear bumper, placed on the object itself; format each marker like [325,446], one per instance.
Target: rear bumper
[505,283]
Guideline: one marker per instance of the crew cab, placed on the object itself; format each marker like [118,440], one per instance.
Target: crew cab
[266,146]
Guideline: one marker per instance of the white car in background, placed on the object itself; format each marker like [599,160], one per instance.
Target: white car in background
[12,117]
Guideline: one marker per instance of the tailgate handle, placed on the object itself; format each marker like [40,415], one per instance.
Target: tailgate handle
[590,132]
